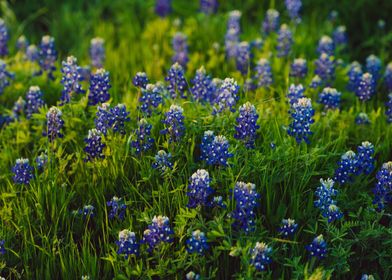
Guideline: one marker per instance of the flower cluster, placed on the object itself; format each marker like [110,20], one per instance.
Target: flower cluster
[140,80]
[330,98]
[97,52]
[32,53]
[293,7]
[227,96]
[347,168]
[4,37]
[99,87]
[163,7]
[197,243]
[71,79]
[208,6]
[143,141]
[316,82]
[326,45]
[194,276]
[87,212]
[366,87]
[158,232]
[261,256]
[41,161]
[365,158]
[340,35]
[247,125]
[232,36]
[263,74]
[318,247]
[5,76]
[325,68]
[302,117]
[180,48]
[151,98]
[299,68]
[94,146]
[246,199]
[199,190]
[288,227]
[111,118]
[354,76]
[285,41]
[388,77]
[373,66]
[47,56]
[362,118]
[202,89]
[388,111]
[271,21]
[295,93]
[325,200]
[243,57]
[34,101]
[22,43]
[23,171]
[383,189]
[127,243]
[54,124]
[176,79]
[215,149]
[118,208]
[162,161]
[174,123]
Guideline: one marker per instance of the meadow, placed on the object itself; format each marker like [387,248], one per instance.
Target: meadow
[195,140]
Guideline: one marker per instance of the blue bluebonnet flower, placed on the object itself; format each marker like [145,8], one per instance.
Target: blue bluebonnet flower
[340,35]
[140,80]
[199,190]
[34,101]
[232,34]
[295,93]
[150,99]
[54,124]
[163,7]
[333,16]
[94,146]
[118,116]
[271,21]
[325,68]
[118,208]
[32,53]
[127,243]
[354,76]
[23,172]
[366,87]
[316,82]
[365,157]
[330,98]
[4,37]
[99,87]
[162,161]
[261,256]
[255,44]
[383,189]
[2,248]
[18,108]
[325,195]
[362,118]
[143,141]
[326,45]
[180,48]
[299,68]
[302,117]
[71,79]
[373,66]
[347,168]
[247,125]
[227,96]
[263,76]
[192,276]
[47,56]
[174,123]
[41,161]
[218,201]
[333,213]
[158,232]
[87,212]
[5,76]
[85,73]
[197,243]
[176,79]
[234,20]
[388,77]
[293,7]
[388,111]
[206,147]
[288,227]
[215,85]
[22,43]
[202,90]
[285,41]
[243,57]
[246,199]
[367,277]
[208,6]
[215,149]
[102,121]
[318,247]
[97,52]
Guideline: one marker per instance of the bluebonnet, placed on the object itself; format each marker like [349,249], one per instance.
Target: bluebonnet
[388,77]
[365,158]
[347,168]
[302,117]
[333,213]
[34,101]
[118,116]
[22,43]
[140,80]
[316,82]
[215,85]
[383,189]
[285,41]
[127,243]
[118,208]
[47,56]
[234,20]
[362,118]
[162,161]
[199,190]
[174,123]
[197,243]
[158,232]
[202,89]
[366,87]
[206,147]
[367,277]
[23,172]
[192,276]
[54,124]
[325,68]
[340,35]
[150,99]
[326,45]
[163,7]
[318,247]
[4,37]
[32,53]
[295,93]
[373,66]
[176,79]
[103,118]
[232,34]
[288,227]
[243,57]
[247,125]
[388,111]
[330,98]
[94,146]
[261,256]
[271,21]
[227,96]
[41,161]
[180,48]
[85,72]
[18,108]
[299,68]
[263,76]
[5,76]
[71,79]
[143,141]
[246,199]
[293,7]
[208,6]
[333,16]
[255,44]
[87,212]
[99,87]
[325,194]
[354,76]
[97,52]
[2,247]
[215,149]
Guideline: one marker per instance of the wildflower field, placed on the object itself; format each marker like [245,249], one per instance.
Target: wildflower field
[191,139]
